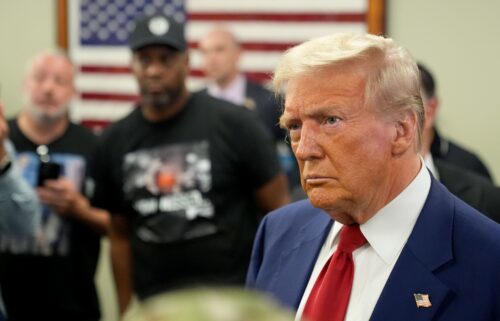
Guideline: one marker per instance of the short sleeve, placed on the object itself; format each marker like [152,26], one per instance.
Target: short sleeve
[257,149]
[104,185]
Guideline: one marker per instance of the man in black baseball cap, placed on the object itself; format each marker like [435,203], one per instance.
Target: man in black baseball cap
[185,175]
[157,30]
[160,64]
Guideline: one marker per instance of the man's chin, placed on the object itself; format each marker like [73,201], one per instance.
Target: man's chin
[157,101]
[323,199]
[47,117]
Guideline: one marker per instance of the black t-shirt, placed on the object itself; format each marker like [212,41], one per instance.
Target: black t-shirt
[51,276]
[187,187]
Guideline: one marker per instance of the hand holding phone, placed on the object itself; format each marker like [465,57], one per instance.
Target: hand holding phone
[48,170]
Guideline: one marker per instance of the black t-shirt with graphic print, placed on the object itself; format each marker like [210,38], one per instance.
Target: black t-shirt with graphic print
[51,276]
[187,186]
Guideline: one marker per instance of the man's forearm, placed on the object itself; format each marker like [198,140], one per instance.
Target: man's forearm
[96,218]
[121,259]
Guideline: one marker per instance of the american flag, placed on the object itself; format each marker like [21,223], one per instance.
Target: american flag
[98,32]
[422,300]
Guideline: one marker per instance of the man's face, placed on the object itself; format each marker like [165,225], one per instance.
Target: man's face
[49,86]
[342,147]
[220,55]
[161,73]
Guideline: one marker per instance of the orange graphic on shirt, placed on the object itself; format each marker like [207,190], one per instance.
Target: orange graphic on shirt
[166,180]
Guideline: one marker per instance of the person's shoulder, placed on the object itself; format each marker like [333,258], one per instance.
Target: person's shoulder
[13,126]
[12,121]
[465,157]
[120,127]
[474,189]
[256,87]
[201,99]
[461,151]
[475,230]
[449,171]
[82,131]
[203,91]
[224,111]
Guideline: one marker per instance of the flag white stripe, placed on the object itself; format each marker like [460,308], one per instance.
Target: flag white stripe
[291,6]
[106,83]
[99,110]
[119,83]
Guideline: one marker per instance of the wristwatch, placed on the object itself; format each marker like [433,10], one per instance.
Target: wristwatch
[4,164]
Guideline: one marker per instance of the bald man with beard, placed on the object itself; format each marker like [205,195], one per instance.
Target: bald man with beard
[53,271]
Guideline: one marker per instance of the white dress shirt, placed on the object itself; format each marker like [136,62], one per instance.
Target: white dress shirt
[386,232]
[235,92]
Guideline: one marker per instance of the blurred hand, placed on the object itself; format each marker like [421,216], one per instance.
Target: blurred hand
[62,196]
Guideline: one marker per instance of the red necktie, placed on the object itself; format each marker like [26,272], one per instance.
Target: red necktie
[329,297]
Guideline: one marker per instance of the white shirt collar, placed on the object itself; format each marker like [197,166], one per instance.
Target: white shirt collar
[389,229]
[235,92]
[429,162]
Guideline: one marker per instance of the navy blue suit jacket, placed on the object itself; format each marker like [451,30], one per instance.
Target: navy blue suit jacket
[452,254]
[266,105]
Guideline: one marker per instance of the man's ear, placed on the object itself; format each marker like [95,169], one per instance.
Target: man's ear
[185,61]
[406,132]
[431,109]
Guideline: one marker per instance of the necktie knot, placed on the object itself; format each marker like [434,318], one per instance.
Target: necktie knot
[351,238]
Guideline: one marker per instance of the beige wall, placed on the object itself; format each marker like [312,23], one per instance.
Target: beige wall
[23,33]
[458,40]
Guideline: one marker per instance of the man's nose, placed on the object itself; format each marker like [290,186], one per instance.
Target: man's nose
[307,146]
[48,86]
[155,69]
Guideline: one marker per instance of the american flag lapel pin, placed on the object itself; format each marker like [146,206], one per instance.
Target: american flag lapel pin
[422,300]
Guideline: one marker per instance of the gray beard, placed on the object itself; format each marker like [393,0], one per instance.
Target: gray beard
[46,118]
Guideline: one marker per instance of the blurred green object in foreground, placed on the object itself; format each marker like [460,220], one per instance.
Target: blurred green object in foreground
[211,304]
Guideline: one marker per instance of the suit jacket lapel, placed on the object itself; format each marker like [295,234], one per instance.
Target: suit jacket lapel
[296,264]
[397,300]
[429,247]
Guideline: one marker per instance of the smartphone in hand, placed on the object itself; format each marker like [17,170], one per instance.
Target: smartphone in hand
[48,170]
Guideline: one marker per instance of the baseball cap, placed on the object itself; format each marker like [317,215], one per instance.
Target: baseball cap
[157,30]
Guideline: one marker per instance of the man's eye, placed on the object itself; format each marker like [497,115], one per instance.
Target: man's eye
[291,127]
[332,120]
[167,60]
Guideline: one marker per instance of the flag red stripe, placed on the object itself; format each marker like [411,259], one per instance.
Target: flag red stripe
[278,17]
[257,46]
[95,123]
[97,69]
[258,76]
[108,97]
